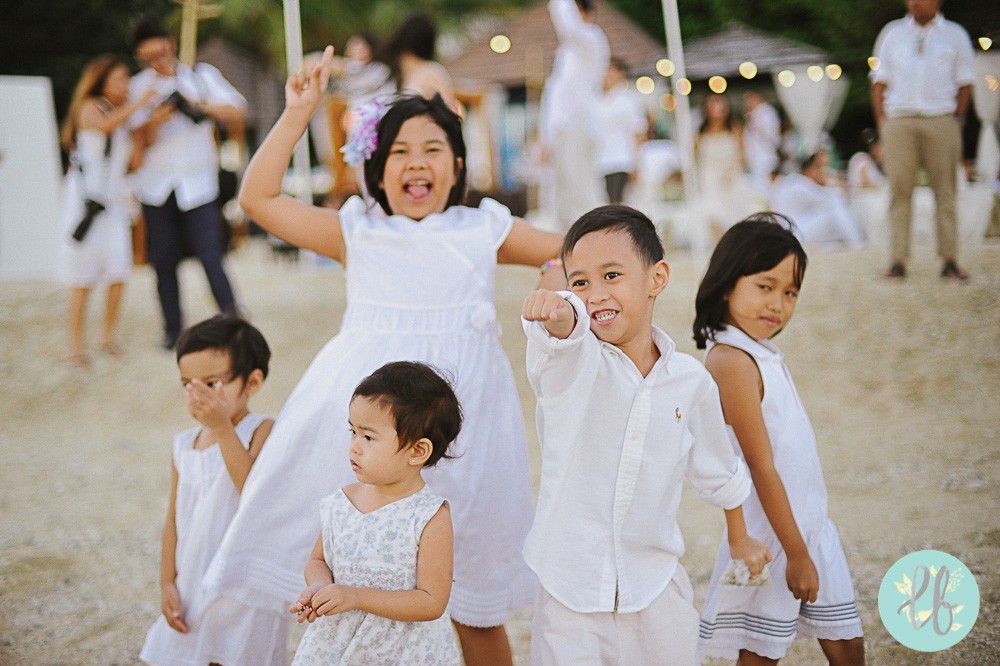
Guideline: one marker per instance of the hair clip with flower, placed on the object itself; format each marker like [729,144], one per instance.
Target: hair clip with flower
[364,137]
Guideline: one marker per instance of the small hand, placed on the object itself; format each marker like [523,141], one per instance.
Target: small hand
[304,89]
[161,113]
[207,403]
[544,305]
[751,551]
[333,599]
[802,578]
[303,607]
[170,604]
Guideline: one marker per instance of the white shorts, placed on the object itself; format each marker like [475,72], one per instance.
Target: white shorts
[665,632]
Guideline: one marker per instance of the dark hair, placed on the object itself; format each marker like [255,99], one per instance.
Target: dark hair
[619,64]
[730,121]
[247,348]
[421,402]
[146,26]
[811,160]
[757,244]
[623,219]
[388,128]
[586,5]
[417,35]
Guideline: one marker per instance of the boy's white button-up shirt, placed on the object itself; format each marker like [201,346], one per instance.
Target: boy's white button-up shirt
[616,447]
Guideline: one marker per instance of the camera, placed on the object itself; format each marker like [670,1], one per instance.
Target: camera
[91,209]
[184,106]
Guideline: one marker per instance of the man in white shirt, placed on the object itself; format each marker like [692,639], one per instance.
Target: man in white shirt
[921,90]
[622,128]
[761,140]
[820,212]
[623,419]
[568,125]
[177,182]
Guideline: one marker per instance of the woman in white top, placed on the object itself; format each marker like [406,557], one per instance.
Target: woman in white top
[100,146]
[863,168]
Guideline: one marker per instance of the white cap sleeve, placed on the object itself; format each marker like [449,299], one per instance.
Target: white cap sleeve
[500,219]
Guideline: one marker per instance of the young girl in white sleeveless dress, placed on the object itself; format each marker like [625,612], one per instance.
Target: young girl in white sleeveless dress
[222,361]
[420,282]
[379,576]
[746,298]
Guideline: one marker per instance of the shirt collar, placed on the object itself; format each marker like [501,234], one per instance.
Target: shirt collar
[912,24]
[663,343]
[760,348]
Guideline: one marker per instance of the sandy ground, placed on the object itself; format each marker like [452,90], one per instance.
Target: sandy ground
[901,381]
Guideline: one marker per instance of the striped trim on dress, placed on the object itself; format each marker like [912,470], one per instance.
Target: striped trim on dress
[778,628]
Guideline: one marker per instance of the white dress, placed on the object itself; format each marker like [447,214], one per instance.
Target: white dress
[377,549]
[417,291]
[104,256]
[221,628]
[726,196]
[766,619]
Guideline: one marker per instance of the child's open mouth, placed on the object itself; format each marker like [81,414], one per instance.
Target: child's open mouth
[417,190]
[604,317]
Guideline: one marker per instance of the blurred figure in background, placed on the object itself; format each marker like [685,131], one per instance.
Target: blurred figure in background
[97,244]
[178,182]
[819,210]
[726,197]
[569,104]
[864,168]
[622,127]
[411,53]
[761,140]
[920,94]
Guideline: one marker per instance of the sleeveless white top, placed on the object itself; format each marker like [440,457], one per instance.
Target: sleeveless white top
[378,550]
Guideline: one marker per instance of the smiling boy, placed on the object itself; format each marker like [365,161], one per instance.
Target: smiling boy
[622,420]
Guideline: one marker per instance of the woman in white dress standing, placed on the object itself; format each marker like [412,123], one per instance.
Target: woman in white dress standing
[98,251]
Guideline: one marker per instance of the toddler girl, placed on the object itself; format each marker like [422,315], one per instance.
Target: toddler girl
[379,575]
[419,287]
[223,361]
[746,298]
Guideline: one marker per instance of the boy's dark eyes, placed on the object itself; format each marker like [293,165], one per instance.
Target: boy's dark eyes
[611,276]
[578,283]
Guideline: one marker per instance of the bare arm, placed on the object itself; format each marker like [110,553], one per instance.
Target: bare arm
[299,223]
[93,117]
[964,99]
[170,598]
[427,602]
[528,246]
[742,546]
[878,104]
[741,390]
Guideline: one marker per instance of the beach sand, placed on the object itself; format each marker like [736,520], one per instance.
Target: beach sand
[901,380]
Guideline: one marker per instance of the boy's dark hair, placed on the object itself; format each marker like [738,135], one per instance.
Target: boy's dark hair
[247,348]
[421,402]
[623,219]
[145,26]
[757,244]
[401,110]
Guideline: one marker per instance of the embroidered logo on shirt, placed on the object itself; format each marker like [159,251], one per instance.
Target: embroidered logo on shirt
[677,414]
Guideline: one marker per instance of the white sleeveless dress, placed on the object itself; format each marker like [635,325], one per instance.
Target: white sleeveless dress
[416,291]
[221,629]
[377,549]
[766,619]
[104,256]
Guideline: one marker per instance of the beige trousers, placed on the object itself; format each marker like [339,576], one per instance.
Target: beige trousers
[934,144]
[665,633]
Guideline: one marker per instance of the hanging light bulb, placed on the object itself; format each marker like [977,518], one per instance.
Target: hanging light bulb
[748,70]
[500,43]
[717,84]
[683,86]
[833,72]
[665,67]
[786,77]
[645,85]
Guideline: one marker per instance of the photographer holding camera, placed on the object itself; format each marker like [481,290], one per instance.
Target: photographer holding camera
[177,177]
